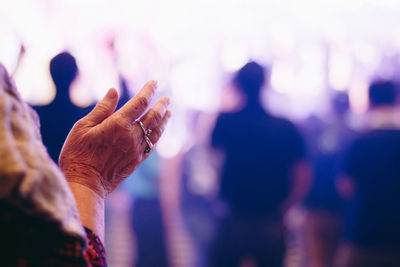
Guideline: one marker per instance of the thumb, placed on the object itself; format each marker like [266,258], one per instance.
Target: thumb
[104,108]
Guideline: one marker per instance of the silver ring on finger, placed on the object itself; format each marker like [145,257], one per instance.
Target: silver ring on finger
[146,135]
[149,146]
[146,132]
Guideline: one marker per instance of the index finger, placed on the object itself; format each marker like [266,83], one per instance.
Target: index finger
[139,103]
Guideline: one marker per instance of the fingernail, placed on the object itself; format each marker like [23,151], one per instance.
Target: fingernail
[154,83]
[167,100]
[111,93]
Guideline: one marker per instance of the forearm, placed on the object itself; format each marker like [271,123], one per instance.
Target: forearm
[91,208]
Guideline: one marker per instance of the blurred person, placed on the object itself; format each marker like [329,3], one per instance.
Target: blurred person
[371,233]
[53,216]
[263,174]
[198,184]
[327,142]
[146,217]
[58,117]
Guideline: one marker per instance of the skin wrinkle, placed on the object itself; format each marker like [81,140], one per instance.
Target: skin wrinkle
[105,147]
[102,148]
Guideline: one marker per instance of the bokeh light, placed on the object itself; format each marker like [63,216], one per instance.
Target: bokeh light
[192,47]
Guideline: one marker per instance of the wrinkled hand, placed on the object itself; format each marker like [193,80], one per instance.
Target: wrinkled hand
[105,147]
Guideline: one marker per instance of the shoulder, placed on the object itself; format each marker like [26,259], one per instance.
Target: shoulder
[377,137]
[226,116]
[225,119]
[284,124]
[224,124]
[370,136]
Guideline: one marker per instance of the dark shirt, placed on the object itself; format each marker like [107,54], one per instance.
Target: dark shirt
[260,151]
[56,120]
[327,145]
[30,241]
[373,217]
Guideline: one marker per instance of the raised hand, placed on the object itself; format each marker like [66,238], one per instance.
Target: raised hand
[105,147]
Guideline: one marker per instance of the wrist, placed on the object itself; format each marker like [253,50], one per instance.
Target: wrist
[85,176]
[90,206]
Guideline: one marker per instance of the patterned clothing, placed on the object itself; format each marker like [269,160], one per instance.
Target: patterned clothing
[95,253]
[39,220]
[30,241]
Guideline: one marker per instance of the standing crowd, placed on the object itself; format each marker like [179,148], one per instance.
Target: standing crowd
[344,181]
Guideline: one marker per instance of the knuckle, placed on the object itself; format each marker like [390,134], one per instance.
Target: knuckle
[80,123]
[143,101]
[156,118]
[102,107]
[156,134]
[122,123]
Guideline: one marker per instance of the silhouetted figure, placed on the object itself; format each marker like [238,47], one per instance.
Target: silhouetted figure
[371,230]
[327,141]
[263,162]
[198,184]
[58,117]
[147,217]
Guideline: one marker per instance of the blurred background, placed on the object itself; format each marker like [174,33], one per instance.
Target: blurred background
[315,52]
